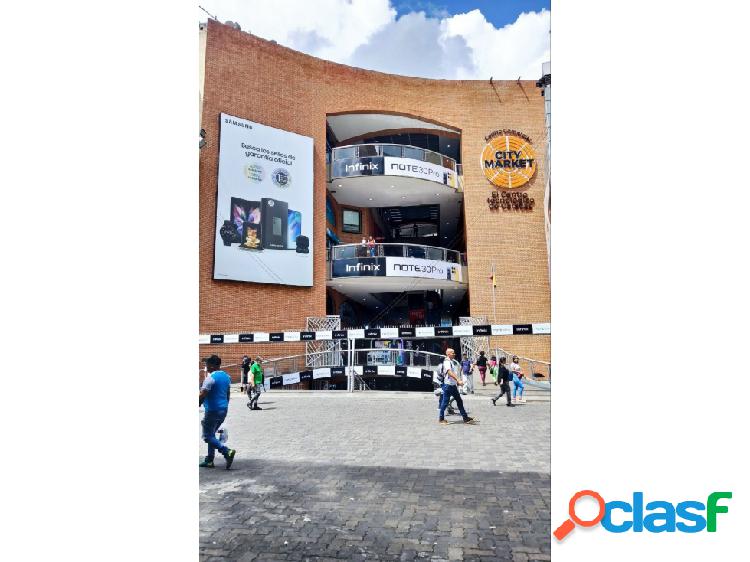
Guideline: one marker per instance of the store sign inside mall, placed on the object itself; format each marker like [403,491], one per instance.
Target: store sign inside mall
[508,160]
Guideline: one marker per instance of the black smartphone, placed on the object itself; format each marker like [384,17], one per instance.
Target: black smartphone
[274,223]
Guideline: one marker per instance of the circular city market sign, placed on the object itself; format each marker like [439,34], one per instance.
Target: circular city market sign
[508,159]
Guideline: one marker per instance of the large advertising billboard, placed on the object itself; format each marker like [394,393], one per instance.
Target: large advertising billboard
[264,205]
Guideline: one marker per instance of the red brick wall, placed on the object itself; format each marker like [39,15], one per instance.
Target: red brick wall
[270,84]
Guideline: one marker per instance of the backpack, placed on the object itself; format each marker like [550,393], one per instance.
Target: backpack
[441,373]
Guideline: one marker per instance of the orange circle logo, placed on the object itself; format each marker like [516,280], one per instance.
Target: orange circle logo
[508,160]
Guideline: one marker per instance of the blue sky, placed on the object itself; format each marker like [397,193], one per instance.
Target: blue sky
[497,12]
[459,39]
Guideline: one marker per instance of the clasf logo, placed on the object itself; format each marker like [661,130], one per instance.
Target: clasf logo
[657,516]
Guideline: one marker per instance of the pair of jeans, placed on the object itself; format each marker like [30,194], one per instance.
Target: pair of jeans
[254,394]
[517,386]
[468,383]
[451,391]
[212,420]
[482,373]
[504,389]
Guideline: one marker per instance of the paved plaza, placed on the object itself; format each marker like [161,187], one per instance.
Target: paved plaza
[372,476]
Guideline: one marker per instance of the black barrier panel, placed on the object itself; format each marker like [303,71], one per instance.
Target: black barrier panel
[348,167]
[277,382]
[217,338]
[401,370]
[339,334]
[521,329]
[336,371]
[304,336]
[443,331]
[482,330]
[245,338]
[426,375]
[359,267]
[372,333]
[406,332]
[276,336]
[305,376]
[370,370]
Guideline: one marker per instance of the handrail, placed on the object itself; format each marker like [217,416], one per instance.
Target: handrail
[453,165]
[457,256]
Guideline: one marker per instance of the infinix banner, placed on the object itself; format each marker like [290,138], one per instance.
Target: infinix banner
[264,206]
[415,267]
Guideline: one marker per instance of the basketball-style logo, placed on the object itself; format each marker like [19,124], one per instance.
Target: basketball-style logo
[281,178]
[508,160]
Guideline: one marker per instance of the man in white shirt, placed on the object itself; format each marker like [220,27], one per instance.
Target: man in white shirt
[452,380]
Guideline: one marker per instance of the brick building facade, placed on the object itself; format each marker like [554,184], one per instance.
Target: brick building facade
[261,81]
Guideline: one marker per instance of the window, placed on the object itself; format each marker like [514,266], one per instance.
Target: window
[352,221]
[330,215]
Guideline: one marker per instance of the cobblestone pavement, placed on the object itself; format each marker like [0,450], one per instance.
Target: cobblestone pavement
[372,476]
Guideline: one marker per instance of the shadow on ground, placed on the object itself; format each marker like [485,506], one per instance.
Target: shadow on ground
[270,510]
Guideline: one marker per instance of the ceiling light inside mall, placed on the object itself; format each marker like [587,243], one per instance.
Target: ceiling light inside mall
[339,185]
[370,199]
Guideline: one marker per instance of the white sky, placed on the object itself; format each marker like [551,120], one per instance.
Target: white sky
[366,34]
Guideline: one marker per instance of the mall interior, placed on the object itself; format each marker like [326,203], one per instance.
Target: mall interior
[398,182]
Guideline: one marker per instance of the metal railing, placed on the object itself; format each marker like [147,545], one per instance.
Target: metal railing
[347,251]
[398,151]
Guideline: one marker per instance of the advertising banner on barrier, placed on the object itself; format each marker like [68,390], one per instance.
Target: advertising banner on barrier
[359,267]
[264,205]
[348,167]
[429,269]
[418,169]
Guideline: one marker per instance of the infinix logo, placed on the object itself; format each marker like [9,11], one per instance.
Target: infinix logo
[363,267]
[360,167]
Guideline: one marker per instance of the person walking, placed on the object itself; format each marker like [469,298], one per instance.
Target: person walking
[449,370]
[493,369]
[503,376]
[214,397]
[467,374]
[256,381]
[245,370]
[517,375]
[482,366]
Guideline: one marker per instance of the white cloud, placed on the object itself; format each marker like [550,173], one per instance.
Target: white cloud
[366,33]
[518,49]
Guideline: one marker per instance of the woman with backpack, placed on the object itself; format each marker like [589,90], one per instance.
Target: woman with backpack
[493,369]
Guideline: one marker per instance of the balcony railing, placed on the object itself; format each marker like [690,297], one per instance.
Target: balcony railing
[348,251]
[395,150]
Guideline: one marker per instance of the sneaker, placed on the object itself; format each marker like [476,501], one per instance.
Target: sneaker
[493,401]
[229,457]
[469,420]
[257,408]
[249,405]
[443,422]
[205,463]
[511,405]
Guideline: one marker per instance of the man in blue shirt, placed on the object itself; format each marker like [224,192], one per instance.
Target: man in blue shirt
[214,397]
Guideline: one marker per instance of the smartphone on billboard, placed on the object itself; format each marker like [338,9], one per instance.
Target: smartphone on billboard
[274,215]
[294,228]
[243,211]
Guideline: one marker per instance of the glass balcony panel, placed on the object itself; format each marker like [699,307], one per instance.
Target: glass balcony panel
[341,153]
[449,163]
[368,150]
[415,252]
[434,254]
[415,153]
[393,250]
[433,158]
[392,150]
